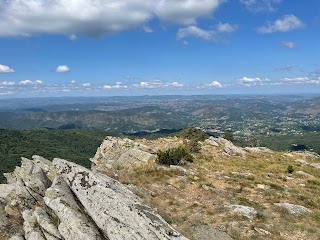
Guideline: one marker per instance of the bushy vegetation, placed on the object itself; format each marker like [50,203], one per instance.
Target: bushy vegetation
[228,135]
[194,134]
[290,169]
[174,156]
[74,145]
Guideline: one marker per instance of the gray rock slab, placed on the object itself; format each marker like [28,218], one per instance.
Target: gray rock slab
[114,208]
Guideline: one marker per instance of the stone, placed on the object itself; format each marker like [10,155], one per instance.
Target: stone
[263,186]
[242,210]
[315,165]
[46,223]
[293,209]
[301,162]
[74,224]
[117,212]
[205,232]
[211,141]
[5,190]
[229,149]
[118,152]
[302,173]
[262,232]
[30,227]
[17,237]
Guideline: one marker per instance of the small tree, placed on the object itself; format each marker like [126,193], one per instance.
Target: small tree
[228,135]
[290,169]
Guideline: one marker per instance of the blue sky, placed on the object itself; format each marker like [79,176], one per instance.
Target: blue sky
[136,47]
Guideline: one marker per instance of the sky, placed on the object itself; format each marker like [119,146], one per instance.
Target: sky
[158,47]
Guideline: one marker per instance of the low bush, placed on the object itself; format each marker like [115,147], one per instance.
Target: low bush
[174,156]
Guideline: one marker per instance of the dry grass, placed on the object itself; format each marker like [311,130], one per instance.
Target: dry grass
[187,200]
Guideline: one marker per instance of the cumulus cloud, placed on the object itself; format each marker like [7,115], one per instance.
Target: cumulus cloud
[260,5]
[194,31]
[95,18]
[7,84]
[73,81]
[185,11]
[86,84]
[5,69]
[62,69]
[288,44]
[29,82]
[157,84]
[215,84]
[249,81]
[284,24]
[226,28]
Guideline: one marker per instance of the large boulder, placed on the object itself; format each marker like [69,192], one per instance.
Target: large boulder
[118,152]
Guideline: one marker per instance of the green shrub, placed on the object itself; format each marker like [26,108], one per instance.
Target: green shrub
[194,146]
[228,135]
[193,134]
[290,169]
[174,156]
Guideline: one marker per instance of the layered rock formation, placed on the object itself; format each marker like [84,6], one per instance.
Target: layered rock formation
[117,152]
[62,200]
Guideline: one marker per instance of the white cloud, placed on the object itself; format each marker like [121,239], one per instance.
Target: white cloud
[284,24]
[301,80]
[226,28]
[62,69]
[29,82]
[5,69]
[7,84]
[86,84]
[298,79]
[185,11]
[249,81]
[194,31]
[260,5]
[118,85]
[157,84]
[96,18]
[216,84]
[288,44]
[73,81]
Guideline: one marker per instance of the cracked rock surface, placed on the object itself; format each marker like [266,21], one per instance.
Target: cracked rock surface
[62,200]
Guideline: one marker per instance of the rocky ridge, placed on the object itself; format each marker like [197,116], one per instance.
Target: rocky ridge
[246,193]
[62,200]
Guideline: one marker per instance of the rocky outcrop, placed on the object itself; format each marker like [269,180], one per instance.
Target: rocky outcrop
[229,149]
[293,209]
[77,204]
[246,211]
[118,152]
